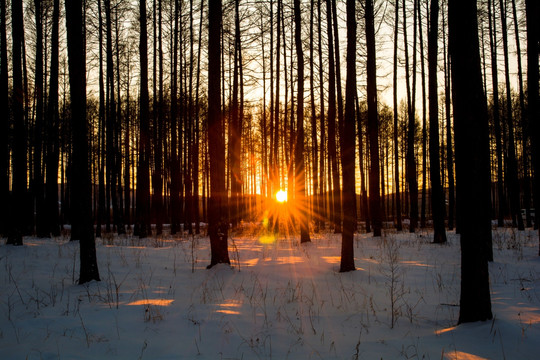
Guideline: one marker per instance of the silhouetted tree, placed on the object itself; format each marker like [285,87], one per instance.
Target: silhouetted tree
[17,218]
[512,171]
[496,116]
[533,49]
[373,122]
[4,123]
[399,225]
[52,123]
[437,194]
[143,171]
[299,166]
[335,204]
[217,213]
[348,149]
[81,195]
[472,161]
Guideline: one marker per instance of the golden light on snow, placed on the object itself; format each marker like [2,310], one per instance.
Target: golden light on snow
[155,302]
[460,355]
[228,307]
[281,196]
[442,331]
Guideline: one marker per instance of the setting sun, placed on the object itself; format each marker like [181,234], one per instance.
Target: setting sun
[281,196]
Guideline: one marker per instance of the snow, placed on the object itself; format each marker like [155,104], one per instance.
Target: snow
[279,300]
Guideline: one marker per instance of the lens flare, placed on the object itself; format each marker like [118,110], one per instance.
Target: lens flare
[281,196]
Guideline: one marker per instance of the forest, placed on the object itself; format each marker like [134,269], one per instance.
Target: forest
[190,117]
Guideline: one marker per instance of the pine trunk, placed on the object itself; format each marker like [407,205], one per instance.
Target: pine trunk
[472,161]
[348,149]
[373,121]
[81,184]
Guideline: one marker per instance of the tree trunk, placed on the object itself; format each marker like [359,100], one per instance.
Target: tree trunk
[81,194]
[102,125]
[322,157]
[533,49]
[235,129]
[217,212]
[373,121]
[18,197]
[399,225]
[335,208]
[348,149]
[111,123]
[472,161]
[449,144]
[364,210]
[314,144]
[524,125]
[143,172]
[4,123]
[437,194]
[197,132]
[496,119]
[174,165]
[299,166]
[513,182]
[52,123]
[38,183]
[424,122]
[411,160]
[157,178]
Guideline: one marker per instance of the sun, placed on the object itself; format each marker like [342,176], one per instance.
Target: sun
[281,196]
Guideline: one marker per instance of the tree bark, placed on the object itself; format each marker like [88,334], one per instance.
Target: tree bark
[348,149]
[524,124]
[38,182]
[411,160]
[399,225]
[424,122]
[299,166]
[373,126]
[335,208]
[4,123]
[513,182]
[472,161]
[81,194]
[314,144]
[18,196]
[143,172]
[449,142]
[52,123]
[217,212]
[533,49]
[496,117]
[437,194]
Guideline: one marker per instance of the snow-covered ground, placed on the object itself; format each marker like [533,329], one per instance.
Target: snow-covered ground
[279,300]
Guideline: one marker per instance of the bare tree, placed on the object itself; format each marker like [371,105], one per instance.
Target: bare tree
[472,161]
[81,195]
[512,174]
[299,165]
[335,207]
[52,123]
[437,195]
[348,149]
[496,116]
[4,123]
[16,221]
[143,171]
[372,125]
[217,212]
[399,225]
[533,49]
